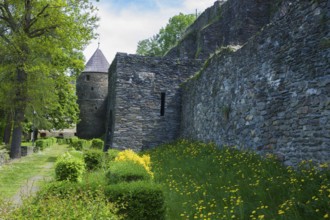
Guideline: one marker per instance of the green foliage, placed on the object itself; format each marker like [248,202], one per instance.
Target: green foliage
[66,111]
[93,159]
[71,140]
[40,42]
[79,144]
[43,143]
[126,171]
[97,143]
[112,154]
[202,181]
[137,200]
[63,201]
[69,168]
[61,141]
[167,37]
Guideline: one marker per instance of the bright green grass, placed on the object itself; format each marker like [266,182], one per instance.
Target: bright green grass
[16,173]
[203,182]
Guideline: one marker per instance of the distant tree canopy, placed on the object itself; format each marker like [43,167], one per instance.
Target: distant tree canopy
[41,41]
[167,37]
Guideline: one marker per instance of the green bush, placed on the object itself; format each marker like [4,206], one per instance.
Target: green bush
[62,189]
[43,143]
[69,168]
[93,159]
[80,144]
[97,143]
[137,200]
[62,141]
[62,200]
[71,140]
[126,171]
[112,154]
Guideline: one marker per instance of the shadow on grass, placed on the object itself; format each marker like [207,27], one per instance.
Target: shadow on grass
[51,159]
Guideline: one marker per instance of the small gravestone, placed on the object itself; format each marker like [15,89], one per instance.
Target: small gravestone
[26,150]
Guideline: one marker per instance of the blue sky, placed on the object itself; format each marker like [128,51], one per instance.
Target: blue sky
[125,22]
[144,4]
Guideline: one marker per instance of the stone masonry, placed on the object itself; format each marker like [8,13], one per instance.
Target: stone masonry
[273,93]
[136,85]
[225,23]
[92,92]
[249,73]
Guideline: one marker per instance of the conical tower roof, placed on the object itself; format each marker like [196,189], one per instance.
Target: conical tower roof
[97,63]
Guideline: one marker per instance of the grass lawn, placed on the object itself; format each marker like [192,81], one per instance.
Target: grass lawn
[199,181]
[202,182]
[16,173]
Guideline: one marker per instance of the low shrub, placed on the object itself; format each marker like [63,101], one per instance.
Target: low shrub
[126,171]
[62,189]
[63,200]
[69,168]
[97,143]
[93,159]
[62,141]
[71,140]
[43,143]
[80,144]
[137,200]
[132,156]
[112,154]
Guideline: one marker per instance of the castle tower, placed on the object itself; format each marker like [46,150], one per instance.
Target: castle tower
[92,91]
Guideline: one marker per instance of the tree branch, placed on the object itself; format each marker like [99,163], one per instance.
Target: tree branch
[41,31]
[35,19]
[7,16]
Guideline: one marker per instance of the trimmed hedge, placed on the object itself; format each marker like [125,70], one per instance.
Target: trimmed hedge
[93,159]
[69,168]
[64,200]
[126,171]
[137,200]
[43,143]
[97,143]
[80,144]
[62,141]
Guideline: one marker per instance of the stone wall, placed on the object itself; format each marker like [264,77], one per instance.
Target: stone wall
[92,89]
[273,94]
[134,109]
[225,23]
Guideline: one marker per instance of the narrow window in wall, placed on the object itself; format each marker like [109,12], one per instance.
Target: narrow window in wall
[162,104]
[87,77]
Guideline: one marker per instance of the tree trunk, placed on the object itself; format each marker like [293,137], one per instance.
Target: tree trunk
[7,132]
[20,103]
[15,148]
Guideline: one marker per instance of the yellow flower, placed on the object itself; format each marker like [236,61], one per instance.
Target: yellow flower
[326,216]
[280,212]
[131,155]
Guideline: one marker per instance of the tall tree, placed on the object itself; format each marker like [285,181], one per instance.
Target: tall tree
[40,38]
[167,37]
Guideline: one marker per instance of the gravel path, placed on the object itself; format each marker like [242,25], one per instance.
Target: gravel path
[31,186]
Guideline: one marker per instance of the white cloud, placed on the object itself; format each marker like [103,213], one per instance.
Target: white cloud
[121,30]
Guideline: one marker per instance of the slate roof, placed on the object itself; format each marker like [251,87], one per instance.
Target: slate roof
[97,63]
